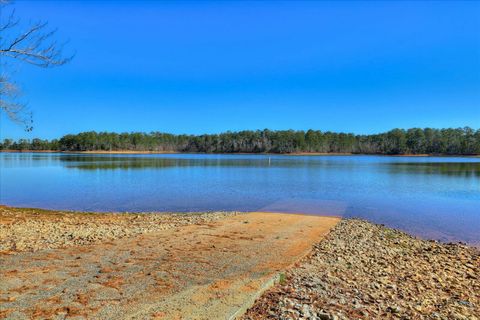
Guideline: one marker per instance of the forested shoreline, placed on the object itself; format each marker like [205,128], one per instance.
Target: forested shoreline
[451,141]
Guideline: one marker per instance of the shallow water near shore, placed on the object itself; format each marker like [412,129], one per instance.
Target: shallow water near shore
[432,197]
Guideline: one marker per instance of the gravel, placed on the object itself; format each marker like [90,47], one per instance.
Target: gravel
[359,271]
[366,271]
[30,230]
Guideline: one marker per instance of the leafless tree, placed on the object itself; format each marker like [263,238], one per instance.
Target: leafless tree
[34,45]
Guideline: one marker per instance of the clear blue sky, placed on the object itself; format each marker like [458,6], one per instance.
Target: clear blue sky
[190,67]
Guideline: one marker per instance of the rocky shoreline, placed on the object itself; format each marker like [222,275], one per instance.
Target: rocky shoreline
[367,271]
[358,271]
[30,230]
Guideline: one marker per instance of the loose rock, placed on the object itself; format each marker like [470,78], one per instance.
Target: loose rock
[31,230]
[367,271]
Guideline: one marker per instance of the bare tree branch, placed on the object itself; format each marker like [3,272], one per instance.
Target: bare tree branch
[11,21]
[34,46]
[16,111]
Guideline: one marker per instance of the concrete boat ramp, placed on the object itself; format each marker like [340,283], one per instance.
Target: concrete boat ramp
[203,271]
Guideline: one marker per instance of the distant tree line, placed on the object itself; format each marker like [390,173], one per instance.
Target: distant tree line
[460,141]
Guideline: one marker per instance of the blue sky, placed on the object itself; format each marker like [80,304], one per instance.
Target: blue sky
[204,67]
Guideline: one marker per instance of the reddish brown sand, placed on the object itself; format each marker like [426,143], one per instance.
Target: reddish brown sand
[201,271]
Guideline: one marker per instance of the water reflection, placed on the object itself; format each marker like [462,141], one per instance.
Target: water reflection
[145,162]
[157,163]
[465,169]
[432,197]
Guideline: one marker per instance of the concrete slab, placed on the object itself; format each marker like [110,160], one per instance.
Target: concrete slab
[203,271]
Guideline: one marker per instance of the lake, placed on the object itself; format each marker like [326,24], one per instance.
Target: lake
[432,197]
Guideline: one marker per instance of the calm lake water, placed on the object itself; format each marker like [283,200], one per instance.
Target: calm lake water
[430,197]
